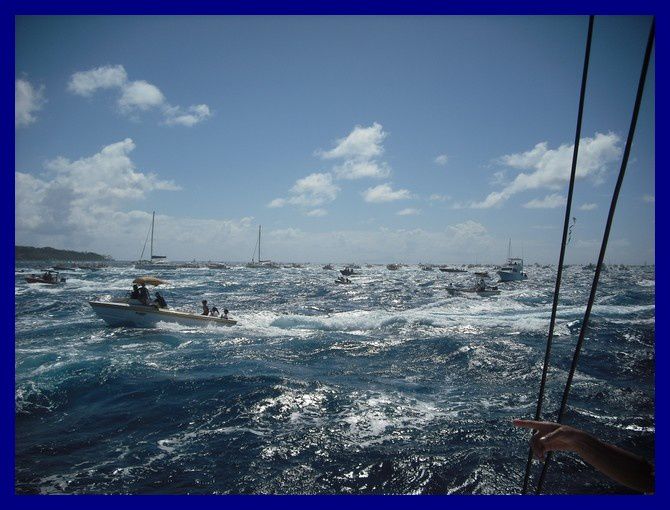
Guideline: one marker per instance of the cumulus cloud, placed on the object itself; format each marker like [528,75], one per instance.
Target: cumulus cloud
[548,202]
[310,191]
[140,95]
[85,83]
[588,207]
[358,152]
[442,159]
[385,193]
[28,100]
[136,96]
[409,211]
[316,213]
[73,194]
[550,168]
[436,197]
[193,115]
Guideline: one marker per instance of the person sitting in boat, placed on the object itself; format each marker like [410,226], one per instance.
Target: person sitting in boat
[160,301]
[145,297]
[205,308]
[135,293]
[480,286]
[225,313]
[214,312]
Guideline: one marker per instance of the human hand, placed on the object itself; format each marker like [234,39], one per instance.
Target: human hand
[550,436]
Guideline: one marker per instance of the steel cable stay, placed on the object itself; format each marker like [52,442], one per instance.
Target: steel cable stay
[603,247]
[566,224]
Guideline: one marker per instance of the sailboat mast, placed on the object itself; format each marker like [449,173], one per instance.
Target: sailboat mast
[259,244]
[153,217]
[509,249]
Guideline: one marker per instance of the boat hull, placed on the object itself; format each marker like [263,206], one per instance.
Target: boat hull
[140,316]
[509,276]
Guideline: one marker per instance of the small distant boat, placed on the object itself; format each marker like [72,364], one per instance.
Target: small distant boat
[64,268]
[215,265]
[452,269]
[512,271]
[486,291]
[155,261]
[392,267]
[132,313]
[426,267]
[354,266]
[343,281]
[261,264]
[347,271]
[482,274]
[328,267]
[48,277]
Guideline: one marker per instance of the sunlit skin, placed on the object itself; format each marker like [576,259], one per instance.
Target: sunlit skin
[618,464]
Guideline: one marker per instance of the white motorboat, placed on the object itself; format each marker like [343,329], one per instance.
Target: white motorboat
[487,291]
[512,271]
[132,313]
[259,263]
[155,261]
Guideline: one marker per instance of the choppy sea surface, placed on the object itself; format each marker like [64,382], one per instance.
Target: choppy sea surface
[388,385]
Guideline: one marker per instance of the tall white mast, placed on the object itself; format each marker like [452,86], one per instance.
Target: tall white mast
[153,217]
[259,244]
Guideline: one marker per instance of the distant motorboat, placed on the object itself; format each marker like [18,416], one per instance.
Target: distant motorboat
[48,277]
[482,274]
[343,281]
[328,267]
[347,271]
[512,271]
[480,291]
[452,269]
[426,267]
[392,267]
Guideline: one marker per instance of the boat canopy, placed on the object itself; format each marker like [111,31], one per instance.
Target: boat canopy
[148,280]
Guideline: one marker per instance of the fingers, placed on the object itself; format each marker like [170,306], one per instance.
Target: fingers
[544,427]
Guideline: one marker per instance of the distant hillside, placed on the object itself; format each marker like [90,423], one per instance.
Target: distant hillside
[47,253]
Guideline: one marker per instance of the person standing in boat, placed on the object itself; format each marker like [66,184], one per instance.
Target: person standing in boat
[205,308]
[135,293]
[144,295]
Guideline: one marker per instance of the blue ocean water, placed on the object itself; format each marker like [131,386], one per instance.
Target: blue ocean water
[388,385]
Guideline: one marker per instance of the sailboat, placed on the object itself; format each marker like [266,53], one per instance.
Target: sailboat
[260,263]
[154,261]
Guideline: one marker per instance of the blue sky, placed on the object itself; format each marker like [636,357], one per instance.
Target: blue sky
[373,138]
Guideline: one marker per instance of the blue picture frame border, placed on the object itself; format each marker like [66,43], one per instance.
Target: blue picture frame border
[10,9]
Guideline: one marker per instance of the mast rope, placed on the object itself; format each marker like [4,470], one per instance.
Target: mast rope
[566,224]
[601,256]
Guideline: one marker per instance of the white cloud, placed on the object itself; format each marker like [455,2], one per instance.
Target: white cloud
[310,191]
[136,96]
[436,197]
[649,199]
[588,207]
[317,213]
[141,95]
[548,202]
[550,168]
[28,100]
[442,159]
[174,115]
[74,194]
[353,169]
[277,202]
[384,193]
[409,211]
[362,143]
[359,151]
[466,231]
[85,83]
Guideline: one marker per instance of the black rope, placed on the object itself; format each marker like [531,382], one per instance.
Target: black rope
[566,225]
[603,246]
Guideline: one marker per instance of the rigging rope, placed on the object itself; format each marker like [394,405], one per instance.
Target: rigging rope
[566,225]
[603,246]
